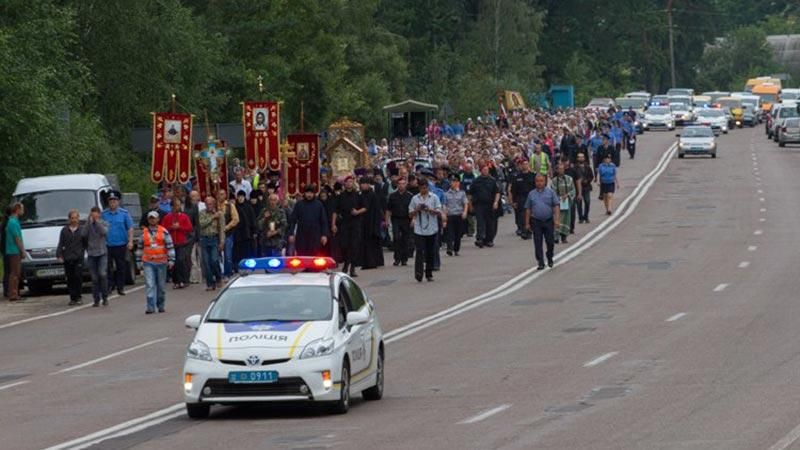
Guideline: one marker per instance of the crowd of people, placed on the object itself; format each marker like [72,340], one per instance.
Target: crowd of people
[418,197]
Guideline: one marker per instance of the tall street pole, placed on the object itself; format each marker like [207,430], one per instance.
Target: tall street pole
[671,45]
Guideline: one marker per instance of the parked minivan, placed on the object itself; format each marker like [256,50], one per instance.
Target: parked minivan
[47,201]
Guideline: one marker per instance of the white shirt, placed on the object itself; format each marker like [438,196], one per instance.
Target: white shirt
[243,186]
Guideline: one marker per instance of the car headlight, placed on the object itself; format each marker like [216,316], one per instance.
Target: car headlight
[682,145]
[713,145]
[319,347]
[198,350]
[637,123]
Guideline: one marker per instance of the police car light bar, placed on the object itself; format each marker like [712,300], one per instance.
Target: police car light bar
[288,264]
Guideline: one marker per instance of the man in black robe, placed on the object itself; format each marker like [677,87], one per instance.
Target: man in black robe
[350,209]
[308,225]
[246,231]
[371,249]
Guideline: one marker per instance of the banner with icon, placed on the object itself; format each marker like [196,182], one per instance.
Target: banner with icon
[303,162]
[172,140]
[261,121]
[211,166]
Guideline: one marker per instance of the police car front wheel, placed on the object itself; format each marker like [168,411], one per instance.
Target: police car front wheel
[342,405]
[376,392]
[198,410]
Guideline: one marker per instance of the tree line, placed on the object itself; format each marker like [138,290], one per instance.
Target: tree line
[79,74]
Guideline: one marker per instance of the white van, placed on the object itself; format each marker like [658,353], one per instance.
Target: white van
[47,201]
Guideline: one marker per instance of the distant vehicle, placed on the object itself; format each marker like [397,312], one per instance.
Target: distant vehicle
[714,95]
[734,106]
[658,117]
[782,112]
[659,100]
[683,92]
[790,132]
[639,94]
[681,113]
[638,104]
[753,82]
[769,94]
[701,101]
[714,118]
[47,201]
[290,330]
[790,94]
[697,140]
[602,103]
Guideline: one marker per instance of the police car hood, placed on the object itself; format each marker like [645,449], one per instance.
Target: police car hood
[280,338]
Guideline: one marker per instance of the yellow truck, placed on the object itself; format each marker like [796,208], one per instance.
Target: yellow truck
[753,82]
[770,93]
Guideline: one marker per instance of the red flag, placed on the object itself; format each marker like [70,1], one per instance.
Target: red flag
[261,122]
[172,140]
[302,168]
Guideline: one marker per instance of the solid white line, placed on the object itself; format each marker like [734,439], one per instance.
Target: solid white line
[760,191]
[128,431]
[10,385]
[752,248]
[131,423]
[676,317]
[72,309]
[762,199]
[720,287]
[486,414]
[763,209]
[787,440]
[744,264]
[112,355]
[601,359]
[762,219]
[758,232]
[510,286]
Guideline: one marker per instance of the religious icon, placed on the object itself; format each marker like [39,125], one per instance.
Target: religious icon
[260,119]
[302,151]
[172,135]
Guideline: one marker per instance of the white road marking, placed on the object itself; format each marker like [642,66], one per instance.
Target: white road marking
[720,287]
[760,191]
[752,248]
[758,232]
[676,317]
[510,286]
[601,359]
[486,414]
[10,385]
[762,219]
[152,419]
[787,440]
[763,209]
[744,264]
[112,355]
[72,309]
[762,199]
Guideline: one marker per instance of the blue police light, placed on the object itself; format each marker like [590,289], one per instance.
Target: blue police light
[274,263]
[290,264]
[250,263]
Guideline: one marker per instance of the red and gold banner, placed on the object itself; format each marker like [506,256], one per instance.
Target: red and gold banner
[172,141]
[303,167]
[262,126]
[211,166]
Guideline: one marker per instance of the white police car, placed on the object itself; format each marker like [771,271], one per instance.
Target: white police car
[299,332]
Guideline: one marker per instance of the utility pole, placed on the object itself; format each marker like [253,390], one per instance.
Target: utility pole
[671,45]
[497,41]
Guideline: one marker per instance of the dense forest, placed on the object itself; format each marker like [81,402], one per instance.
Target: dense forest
[78,74]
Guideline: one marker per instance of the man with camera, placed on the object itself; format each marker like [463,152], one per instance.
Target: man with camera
[425,210]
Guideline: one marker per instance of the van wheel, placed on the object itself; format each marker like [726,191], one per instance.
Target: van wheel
[781,144]
[342,405]
[198,410]
[376,392]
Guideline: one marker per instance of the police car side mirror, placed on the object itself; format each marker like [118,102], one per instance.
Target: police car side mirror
[357,318]
[193,322]
[677,135]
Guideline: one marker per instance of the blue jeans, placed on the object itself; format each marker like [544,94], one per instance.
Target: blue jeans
[271,252]
[98,268]
[210,258]
[229,255]
[155,282]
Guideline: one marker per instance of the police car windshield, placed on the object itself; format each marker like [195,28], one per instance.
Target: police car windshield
[697,132]
[657,111]
[711,113]
[272,303]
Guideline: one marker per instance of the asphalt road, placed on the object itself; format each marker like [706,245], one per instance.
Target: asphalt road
[670,325]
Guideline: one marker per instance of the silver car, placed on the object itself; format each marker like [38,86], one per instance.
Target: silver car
[681,113]
[714,118]
[790,132]
[658,117]
[697,140]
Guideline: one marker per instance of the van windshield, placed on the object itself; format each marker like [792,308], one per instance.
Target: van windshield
[49,208]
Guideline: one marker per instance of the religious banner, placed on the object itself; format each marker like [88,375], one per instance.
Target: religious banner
[303,162]
[211,166]
[172,138]
[513,100]
[261,121]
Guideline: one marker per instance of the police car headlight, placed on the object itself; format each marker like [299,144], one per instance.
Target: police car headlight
[320,347]
[198,350]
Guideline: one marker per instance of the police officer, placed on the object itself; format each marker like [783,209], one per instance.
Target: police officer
[521,184]
[397,215]
[485,201]
[119,240]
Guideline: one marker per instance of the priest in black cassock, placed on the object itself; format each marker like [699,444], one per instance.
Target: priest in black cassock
[349,209]
[371,249]
[308,225]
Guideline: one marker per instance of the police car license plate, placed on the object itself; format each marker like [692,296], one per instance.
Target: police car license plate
[259,376]
[50,272]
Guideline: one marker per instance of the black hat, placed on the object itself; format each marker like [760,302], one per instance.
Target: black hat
[309,188]
[360,171]
[154,198]
[394,171]
[241,193]
[326,188]
[337,186]
[114,195]
[365,180]
[273,173]
[377,171]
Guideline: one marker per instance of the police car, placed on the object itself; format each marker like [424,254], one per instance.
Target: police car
[288,329]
